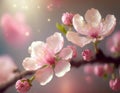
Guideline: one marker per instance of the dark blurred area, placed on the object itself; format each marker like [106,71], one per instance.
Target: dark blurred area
[42,16]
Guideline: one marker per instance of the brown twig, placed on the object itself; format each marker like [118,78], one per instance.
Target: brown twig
[11,82]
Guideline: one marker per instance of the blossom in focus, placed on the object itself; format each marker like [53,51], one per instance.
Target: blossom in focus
[15,29]
[87,54]
[67,18]
[22,86]
[115,84]
[92,29]
[7,67]
[49,58]
[113,43]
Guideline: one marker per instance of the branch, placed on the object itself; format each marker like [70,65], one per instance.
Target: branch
[19,75]
[100,58]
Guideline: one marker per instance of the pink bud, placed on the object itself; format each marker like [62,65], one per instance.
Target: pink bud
[74,50]
[22,86]
[108,68]
[99,70]
[115,84]
[87,55]
[67,18]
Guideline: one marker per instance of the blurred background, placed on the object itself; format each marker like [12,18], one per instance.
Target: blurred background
[41,16]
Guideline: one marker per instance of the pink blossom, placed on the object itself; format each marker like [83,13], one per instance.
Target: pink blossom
[67,18]
[92,29]
[74,50]
[87,54]
[15,30]
[50,57]
[115,84]
[99,70]
[7,67]
[22,86]
[113,43]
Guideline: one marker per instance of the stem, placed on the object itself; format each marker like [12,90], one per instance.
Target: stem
[95,47]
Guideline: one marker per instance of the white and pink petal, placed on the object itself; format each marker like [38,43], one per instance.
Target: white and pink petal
[55,42]
[80,25]
[44,76]
[61,68]
[66,54]
[76,39]
[31,64]
[93,17]
[108,25]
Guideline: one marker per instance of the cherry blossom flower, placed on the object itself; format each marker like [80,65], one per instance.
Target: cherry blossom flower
[115,84]
[22,86]
[113,43]
[87,54]
[67,18]
[15,29]
[48,58]
[7,67]
[92,29]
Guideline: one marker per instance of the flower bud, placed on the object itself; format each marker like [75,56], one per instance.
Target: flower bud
[115,84]
[67,18]
[87,55]
[22,86]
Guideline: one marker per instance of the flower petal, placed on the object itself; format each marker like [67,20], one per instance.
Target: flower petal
[37,49]
[93,17]
[108,25]
[76,39]
[66,54]
[31,64]
[61,68]
[55,42]
[44,76]
[80,25]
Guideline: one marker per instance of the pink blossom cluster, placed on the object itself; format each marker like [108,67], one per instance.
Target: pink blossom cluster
[15,29]
[49,58]
[99,70]
[91,29]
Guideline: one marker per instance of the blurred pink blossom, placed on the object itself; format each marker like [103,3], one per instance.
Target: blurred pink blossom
[15,30]
[99,70]
[89,69]
[48,58]
[115,84]
[108,68]
[92,29]
[7,67]
[87,54]
[67,18]
[113,43]
[22,86]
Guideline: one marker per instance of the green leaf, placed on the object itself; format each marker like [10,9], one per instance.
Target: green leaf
[61,28]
